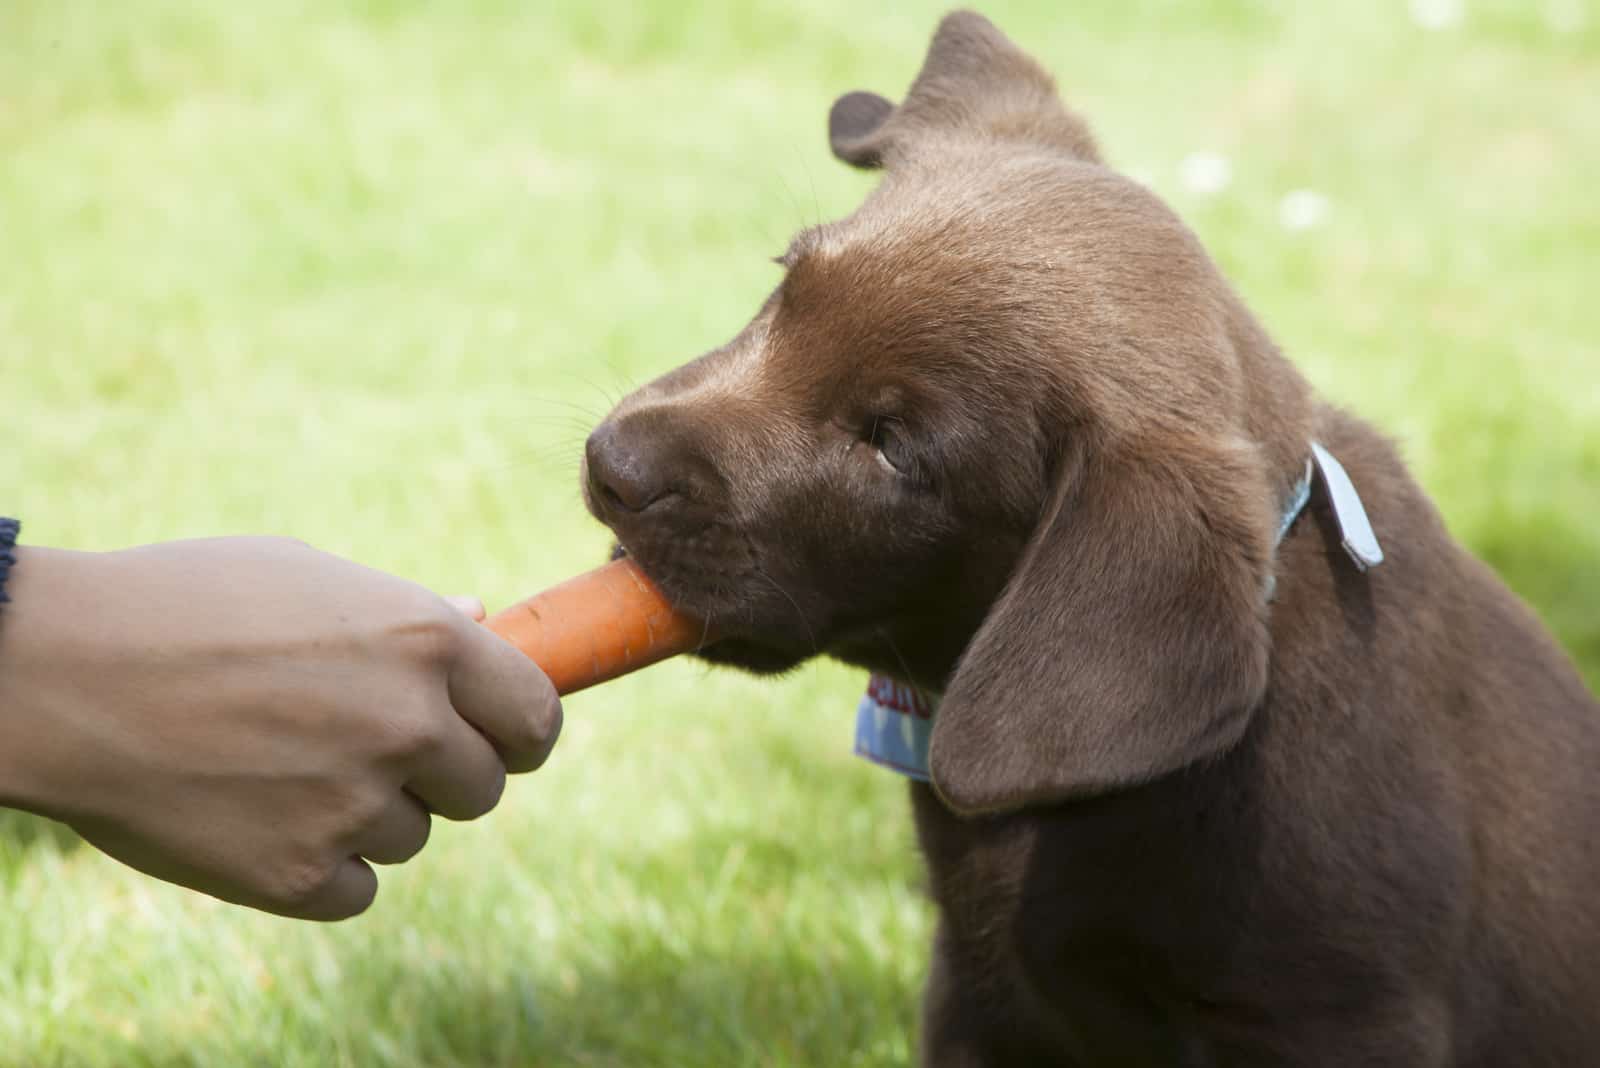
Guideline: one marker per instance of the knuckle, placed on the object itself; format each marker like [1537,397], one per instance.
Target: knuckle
[363,810]
[480,797]
[531,734]
[543,727]
[418,733]
[362,901]
[423,833]
[493,788]
[554,718]
[300,880]
[431,635]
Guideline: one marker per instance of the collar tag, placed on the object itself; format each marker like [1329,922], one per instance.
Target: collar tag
[894,724]
[1355,529]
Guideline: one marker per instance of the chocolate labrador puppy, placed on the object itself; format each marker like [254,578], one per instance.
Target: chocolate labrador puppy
[1236,757]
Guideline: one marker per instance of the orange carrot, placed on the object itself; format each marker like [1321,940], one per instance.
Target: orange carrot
[597,626]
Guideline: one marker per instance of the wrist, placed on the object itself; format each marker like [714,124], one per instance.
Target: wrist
[37,675]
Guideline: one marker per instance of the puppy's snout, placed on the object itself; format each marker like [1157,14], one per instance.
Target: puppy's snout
[640,464]
[628,471]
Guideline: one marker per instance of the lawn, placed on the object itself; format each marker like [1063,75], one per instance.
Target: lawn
[366,272]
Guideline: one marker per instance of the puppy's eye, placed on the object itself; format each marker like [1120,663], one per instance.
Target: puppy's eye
[887,438]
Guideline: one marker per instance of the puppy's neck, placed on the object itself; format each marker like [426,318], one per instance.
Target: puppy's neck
[1279,406]
[921,651]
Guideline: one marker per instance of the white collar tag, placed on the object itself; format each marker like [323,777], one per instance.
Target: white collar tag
[1355,529]
[894,722]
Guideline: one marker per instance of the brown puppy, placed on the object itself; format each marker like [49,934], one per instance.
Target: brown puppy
[1199,796]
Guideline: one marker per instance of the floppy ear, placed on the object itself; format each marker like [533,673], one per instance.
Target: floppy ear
[974,81]
[1130,641]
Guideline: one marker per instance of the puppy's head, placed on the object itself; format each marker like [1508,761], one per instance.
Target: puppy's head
[1003,432]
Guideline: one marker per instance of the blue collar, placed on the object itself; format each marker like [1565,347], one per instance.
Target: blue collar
[1298,498]
[894,721]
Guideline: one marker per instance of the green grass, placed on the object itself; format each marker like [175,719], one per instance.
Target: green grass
[366,272]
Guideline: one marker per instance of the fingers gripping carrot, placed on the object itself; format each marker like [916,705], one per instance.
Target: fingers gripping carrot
[597,626]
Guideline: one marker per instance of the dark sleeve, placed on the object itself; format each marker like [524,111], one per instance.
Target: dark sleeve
[9,529]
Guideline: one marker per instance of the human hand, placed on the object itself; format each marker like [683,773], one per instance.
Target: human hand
[253,718]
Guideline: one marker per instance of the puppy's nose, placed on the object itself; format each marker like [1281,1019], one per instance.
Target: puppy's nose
[628,471]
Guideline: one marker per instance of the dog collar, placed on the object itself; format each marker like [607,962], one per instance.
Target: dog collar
[894,721]
[894,724]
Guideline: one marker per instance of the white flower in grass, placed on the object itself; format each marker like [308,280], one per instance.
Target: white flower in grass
[1206,173]
[1302,209]
[1438,14]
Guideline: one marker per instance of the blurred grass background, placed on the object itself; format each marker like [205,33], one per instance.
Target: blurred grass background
[366,272]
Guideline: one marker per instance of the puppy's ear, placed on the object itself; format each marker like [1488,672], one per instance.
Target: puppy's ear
[1130,641]
[974,82]
[856,128]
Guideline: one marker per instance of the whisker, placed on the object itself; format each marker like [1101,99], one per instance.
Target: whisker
[610,398]
[705,634]
[794,202]
[816,205]
[549,459]
[810,634]
[883,632]
[624,384]
[592,414]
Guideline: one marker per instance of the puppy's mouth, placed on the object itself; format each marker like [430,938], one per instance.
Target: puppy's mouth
[719,579]
[706,564]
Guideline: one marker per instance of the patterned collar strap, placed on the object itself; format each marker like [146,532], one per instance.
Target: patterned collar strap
[894,722]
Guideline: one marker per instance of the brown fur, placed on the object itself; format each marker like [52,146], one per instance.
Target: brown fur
[1005,433]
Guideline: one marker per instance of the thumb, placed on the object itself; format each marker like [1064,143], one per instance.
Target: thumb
[471,607]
